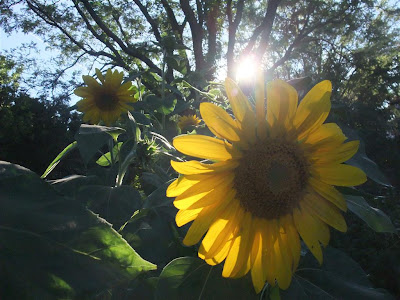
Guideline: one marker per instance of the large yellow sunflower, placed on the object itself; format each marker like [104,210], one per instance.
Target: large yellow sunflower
[105,100]
[271,181]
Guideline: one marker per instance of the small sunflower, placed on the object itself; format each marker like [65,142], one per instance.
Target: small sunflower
[186,121]
[105,100]
[271,181]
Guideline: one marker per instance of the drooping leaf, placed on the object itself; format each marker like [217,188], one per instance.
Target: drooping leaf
[60,156]
[90,139]
[93,129]
[339,277]
[52,247]
[375,218]
[192,278]
[362,161]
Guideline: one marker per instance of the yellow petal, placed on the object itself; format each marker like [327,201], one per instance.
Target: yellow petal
[327,136]
[339,174]
[239,102]
[284,274]
[82,91]
[91,82]
[203,221]
[238,255]
[228,233]
[282,102]
[219,122]
[328,192]
[270,263]
[181,184]
[313,109]
[204,147]
[218,226]
[338,154]
[311,230]
[202,194]
[99,75]
[258,274]
[243,112]
[195,167]
[325,211]
[292,239]
[219,256]
[185,216]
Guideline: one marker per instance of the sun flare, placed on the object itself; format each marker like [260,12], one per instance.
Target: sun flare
[246,69]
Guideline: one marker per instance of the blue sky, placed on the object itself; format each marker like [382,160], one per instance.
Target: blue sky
[10,42]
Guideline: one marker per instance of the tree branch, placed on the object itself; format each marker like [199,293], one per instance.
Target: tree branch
[49,20]
[152,22]
[128,50]
[212,16]
[98,36]
[266,33]
[197,34]
[304,32]
[265,26]
[178,29]
[232,29]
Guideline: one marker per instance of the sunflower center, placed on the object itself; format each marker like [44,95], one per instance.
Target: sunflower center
[271,178]
[106,101]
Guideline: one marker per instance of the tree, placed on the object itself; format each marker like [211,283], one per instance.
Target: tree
[33,130]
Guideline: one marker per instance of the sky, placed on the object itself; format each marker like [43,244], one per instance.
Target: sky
[10,42]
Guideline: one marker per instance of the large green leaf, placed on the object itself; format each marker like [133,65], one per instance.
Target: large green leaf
[192,278]
[375,218]
[52,247]
[339,277]
[115,204]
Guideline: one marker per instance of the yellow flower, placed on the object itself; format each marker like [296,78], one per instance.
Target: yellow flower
[186,121]
[272,181]
[105,100]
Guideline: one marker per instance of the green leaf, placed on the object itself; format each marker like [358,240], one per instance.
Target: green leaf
[60,156]
[53,247]
[90,140]
[95,129]
[135,130]
[192,278]
[115,204]
[374,217]
[159,198]
[339,277]
[105,159]
[362,161]
[141,118]
[70,185]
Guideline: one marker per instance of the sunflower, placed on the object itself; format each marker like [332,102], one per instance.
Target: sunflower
[186,121]
[105,100]
[271,181]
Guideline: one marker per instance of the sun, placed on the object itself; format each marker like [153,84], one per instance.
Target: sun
[246,69]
